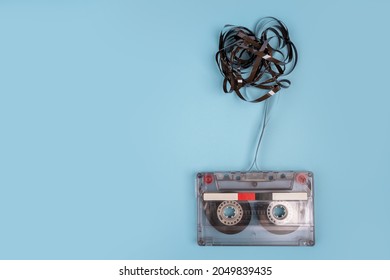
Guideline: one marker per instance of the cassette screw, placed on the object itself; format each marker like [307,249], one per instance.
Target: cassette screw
[301,178]
[201,242]
[208,179]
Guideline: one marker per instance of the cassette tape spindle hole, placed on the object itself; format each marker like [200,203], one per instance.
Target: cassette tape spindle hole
[279,212]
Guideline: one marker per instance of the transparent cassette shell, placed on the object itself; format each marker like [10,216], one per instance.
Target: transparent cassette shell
[273,208]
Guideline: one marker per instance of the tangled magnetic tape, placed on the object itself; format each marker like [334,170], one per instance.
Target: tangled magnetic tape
[257,59]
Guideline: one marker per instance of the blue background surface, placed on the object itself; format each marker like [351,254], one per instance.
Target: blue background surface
[109,108]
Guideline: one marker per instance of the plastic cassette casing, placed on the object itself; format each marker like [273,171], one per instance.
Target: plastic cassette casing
[255,208]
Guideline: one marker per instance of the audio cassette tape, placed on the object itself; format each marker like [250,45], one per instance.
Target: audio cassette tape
[255,208]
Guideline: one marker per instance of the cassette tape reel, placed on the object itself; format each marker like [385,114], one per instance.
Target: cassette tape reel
[229,216]
[255,208]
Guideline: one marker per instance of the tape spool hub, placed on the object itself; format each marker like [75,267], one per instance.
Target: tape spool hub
[229,213]
[229,217]
[279,212]
[277,217]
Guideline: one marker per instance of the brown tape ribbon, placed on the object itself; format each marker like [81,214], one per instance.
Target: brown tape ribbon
[256,59]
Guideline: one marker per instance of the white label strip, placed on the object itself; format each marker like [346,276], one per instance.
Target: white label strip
[289,196]
[220,196]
